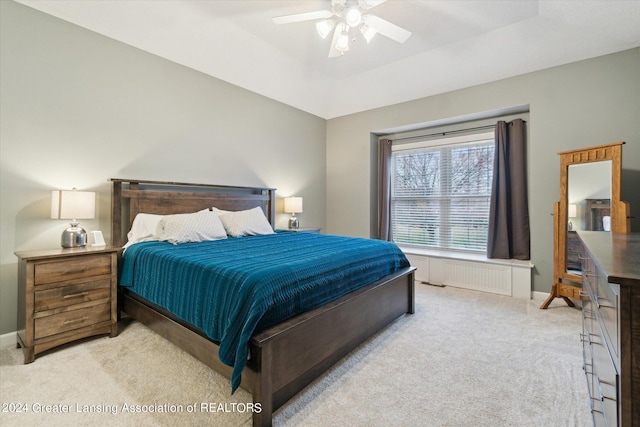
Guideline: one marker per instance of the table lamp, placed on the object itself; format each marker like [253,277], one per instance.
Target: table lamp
[73,205]
[293,205]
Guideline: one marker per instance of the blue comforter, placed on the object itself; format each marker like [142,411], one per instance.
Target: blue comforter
[234,287]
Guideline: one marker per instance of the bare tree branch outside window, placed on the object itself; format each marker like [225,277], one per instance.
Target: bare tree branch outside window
[440,196]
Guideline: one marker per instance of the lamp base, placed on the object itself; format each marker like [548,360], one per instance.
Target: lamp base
[294,224]
[74,237]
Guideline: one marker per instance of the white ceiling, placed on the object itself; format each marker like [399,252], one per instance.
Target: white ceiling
[455,44]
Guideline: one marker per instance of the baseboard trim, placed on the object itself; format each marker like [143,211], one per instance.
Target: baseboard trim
[539,296]
[9,339]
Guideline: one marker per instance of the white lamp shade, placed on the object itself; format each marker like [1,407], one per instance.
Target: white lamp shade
[573,211]
[73,204]
[324,27]
[293,204]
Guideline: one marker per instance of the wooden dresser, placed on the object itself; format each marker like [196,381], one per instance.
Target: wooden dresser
[611,326]
[65,295]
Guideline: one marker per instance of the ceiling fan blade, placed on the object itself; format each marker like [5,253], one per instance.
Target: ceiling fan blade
[386,28]
[299,17]
[368,4]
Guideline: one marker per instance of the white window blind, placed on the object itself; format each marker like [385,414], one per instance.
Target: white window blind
[441,191]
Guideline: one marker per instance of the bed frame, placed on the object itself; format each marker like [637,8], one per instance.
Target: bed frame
[288,356]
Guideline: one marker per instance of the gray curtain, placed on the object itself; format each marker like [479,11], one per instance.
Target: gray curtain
[384,190]
[509,212]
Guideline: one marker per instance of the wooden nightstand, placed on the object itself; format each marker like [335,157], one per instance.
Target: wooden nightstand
[65,295]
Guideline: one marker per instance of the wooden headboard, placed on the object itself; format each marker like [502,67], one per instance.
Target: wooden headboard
[132,196]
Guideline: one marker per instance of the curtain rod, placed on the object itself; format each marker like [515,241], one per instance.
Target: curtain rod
[447,133]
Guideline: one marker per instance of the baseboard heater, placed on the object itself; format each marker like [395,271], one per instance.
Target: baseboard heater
[503,277]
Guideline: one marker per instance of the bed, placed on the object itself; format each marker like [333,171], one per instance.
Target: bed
[286,354]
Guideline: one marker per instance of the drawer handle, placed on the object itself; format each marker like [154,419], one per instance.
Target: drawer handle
[602,396]
[587,314]
[82,319]
[79,294]
[606,382]
[587,338]
[597,299]
[76,270]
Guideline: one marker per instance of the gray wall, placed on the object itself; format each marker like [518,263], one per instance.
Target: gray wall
[78,108]
[578,105]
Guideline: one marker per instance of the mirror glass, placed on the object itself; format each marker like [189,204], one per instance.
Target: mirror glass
[588,205]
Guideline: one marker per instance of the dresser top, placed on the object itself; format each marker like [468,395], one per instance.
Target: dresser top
[617,254]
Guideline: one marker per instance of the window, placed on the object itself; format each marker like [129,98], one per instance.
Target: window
[440,192]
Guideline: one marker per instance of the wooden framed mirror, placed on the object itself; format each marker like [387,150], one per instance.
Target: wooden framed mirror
[589,200]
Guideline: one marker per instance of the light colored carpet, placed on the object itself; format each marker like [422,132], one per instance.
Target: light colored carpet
[464,358]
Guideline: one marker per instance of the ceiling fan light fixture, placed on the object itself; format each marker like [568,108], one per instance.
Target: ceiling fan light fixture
[343,40]
[353,17]
[344,15]
[324,27]
[337,7]
[367,32]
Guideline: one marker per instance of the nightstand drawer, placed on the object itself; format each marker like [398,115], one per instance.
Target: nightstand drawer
[70,320]
[84,266]
[68,295]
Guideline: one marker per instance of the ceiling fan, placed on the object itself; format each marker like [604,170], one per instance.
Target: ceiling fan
[345,15]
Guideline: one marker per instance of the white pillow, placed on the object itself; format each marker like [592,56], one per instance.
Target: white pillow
[145,228]
[193,227]
[251,222]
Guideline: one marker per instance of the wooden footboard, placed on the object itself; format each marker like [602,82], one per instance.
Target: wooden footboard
[289,356]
